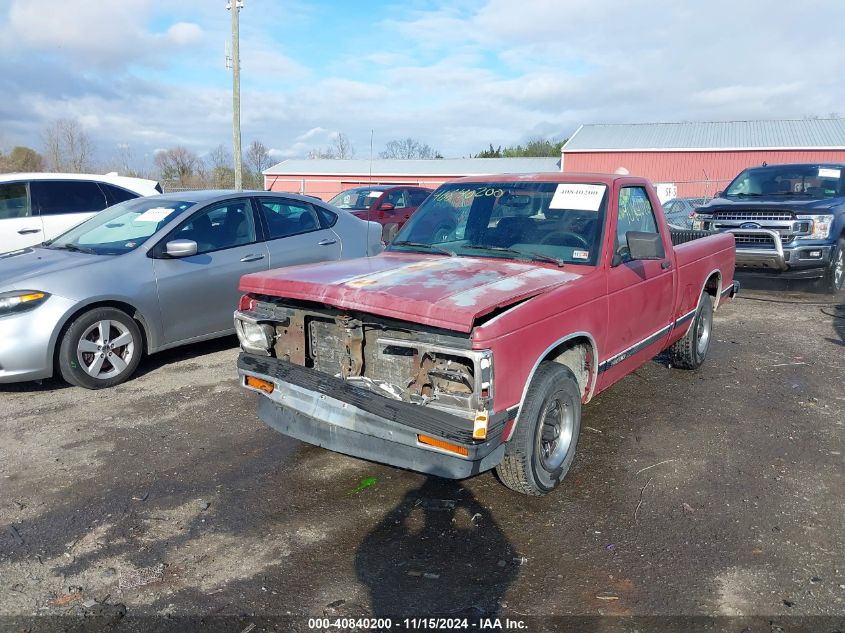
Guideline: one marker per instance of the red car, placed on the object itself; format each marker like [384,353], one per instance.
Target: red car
[391,206]
[454,354]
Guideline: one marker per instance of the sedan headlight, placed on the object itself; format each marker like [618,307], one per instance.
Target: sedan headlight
[820,228]
[20,301]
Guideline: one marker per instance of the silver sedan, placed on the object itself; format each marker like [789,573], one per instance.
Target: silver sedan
[154,273]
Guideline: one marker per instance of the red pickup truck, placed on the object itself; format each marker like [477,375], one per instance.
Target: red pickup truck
[454,354]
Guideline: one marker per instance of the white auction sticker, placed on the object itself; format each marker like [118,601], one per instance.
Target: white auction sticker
[579,254]
[825,172]
[578,197]
[154,215]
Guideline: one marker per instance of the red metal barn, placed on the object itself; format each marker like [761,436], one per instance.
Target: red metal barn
[699,159]
[325,178]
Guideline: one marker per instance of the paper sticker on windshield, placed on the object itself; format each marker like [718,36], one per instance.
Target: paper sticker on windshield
[578,197]
[154,215]
[579,254]
[829,173]
[374,194]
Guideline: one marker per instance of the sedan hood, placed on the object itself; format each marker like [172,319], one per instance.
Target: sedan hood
[445,292]
[18,267]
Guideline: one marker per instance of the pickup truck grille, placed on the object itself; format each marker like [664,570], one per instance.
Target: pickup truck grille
[759,240]
[753,216]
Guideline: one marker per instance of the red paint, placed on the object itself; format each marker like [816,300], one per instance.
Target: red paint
[447,292]
[615,307]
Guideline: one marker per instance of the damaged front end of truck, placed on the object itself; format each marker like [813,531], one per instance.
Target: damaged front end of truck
[384,389]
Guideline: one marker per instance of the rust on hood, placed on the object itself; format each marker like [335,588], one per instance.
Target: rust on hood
[445,292]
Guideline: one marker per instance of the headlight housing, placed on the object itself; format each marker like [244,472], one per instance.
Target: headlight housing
[820,229]
[16,301]
[255,337]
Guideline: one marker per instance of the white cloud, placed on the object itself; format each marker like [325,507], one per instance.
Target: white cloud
[183,33]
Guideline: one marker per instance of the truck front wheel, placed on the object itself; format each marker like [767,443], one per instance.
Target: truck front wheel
[834,274]
[690,351]
[543,445]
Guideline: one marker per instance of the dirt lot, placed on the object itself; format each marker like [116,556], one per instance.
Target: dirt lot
[717,492]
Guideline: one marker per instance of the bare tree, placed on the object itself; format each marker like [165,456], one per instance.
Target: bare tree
[222,173]
[341,147]
[178,164]
[407,149]
[67,146]
[257,160]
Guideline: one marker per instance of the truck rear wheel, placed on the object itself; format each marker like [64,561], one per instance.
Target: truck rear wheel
[543,445]
[834,274]
[690,351]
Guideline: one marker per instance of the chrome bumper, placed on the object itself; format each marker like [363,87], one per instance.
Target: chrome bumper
[770,258]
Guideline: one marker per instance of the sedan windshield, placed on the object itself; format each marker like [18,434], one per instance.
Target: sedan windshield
[121,228]
[816,181]
[540,221]
[362,198]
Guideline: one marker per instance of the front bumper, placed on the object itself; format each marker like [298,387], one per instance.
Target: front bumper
[27,340]
[775,259]
[328,412]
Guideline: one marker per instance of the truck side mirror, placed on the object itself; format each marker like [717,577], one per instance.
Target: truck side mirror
[645,245]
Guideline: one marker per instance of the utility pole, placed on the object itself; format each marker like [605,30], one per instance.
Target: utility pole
[235,7]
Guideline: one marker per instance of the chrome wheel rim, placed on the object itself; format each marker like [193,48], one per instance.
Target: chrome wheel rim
[105,349]
[554,437]
[702,332]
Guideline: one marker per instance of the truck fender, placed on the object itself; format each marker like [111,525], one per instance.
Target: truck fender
[589,382]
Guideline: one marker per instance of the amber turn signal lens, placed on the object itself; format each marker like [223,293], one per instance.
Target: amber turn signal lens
[257,383]
[446,446]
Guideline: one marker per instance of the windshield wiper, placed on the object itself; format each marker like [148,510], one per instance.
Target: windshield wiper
[430,247]
[743,195]
[545,258]
[504,249]
[73,248]
[490,247]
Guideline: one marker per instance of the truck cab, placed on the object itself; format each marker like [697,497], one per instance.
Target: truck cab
[788,221]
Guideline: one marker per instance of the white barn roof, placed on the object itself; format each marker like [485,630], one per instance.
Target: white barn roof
[709,135]
[434,167]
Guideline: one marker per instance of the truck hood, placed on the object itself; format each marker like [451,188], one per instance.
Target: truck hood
[787,203]
[19,269]
[445,292]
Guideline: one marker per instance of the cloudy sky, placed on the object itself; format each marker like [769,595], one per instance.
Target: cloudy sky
[457,75]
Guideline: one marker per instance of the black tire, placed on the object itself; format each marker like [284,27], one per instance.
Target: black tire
[690,351]
[834,274]
[114,359]
[533,464]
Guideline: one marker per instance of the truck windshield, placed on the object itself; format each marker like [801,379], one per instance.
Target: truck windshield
[817,181]
[539,221]
[121,228]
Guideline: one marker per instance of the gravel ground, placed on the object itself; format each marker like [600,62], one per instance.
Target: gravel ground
[710,493]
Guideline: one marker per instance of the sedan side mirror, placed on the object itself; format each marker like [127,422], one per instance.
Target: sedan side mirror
[645,245]
[181,248]
[719,194]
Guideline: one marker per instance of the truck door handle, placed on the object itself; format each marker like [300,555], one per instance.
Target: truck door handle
[665,264]
[252,258]
[326,242]
[28,231]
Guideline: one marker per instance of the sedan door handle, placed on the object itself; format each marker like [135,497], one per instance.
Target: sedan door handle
[28,231]
[326,242]
[252,258]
